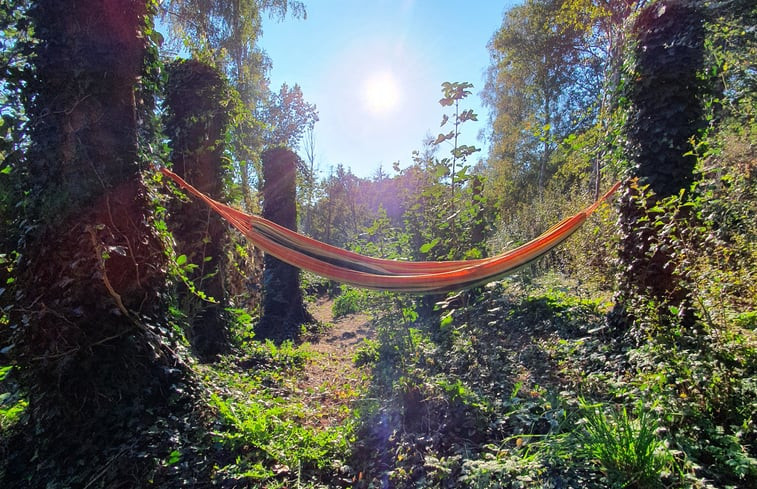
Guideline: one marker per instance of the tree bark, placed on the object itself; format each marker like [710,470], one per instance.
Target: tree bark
[196,124]
[666,114]
[92,266]
[478,229]
[283,308]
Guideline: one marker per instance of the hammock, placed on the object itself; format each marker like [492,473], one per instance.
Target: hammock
[381,274]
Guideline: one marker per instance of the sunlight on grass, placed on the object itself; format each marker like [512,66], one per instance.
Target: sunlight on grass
[272,425]
[628,449]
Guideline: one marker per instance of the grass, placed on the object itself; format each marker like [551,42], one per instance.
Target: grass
[521,388]
[349,301]
[488,399]
[269,426]
[627,448]
[271,440]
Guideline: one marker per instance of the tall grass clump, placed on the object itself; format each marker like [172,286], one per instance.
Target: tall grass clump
[628,448]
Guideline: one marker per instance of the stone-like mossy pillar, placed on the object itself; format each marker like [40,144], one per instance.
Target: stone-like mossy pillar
[96,369]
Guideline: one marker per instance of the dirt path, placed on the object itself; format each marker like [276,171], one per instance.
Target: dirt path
[331,378]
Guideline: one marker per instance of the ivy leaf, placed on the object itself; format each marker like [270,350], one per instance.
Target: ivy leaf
[173,457]
[156,37]
[429,246]
[119,250]
[446,320]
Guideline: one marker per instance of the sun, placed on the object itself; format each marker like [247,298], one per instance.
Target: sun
[381,93]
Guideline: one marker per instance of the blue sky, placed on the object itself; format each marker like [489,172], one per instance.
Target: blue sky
[345,47]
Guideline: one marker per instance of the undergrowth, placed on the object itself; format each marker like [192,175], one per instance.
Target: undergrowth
[525,384]
[263,427]
[12,402]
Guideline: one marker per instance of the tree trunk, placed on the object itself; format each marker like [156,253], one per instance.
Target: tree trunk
[92,267]
[666,114]
[196,124]
[666,95]
[283,308]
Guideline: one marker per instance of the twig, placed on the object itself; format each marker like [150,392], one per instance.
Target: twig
[105,469]
[125,237]
[101,262]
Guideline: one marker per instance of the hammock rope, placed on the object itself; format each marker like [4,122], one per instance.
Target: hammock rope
[381,274]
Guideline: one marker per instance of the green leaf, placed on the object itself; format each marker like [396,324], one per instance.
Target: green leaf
[429,246]
[444,137]
[4,371]
[181,260]
[156,37]
[446,320]
[173,457]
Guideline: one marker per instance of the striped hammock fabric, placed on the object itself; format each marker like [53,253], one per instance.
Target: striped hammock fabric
[344,266]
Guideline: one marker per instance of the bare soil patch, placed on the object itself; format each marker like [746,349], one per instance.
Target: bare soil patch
[330,377]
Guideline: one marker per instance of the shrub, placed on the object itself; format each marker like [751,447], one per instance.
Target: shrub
[349,301]
[367,353]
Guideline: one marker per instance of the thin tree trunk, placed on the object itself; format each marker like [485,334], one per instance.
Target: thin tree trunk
[478,229]
[310,152]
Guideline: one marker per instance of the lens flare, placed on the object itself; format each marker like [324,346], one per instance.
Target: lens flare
[381,93]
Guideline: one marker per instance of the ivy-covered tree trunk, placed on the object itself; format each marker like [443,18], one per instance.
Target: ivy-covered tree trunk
[666,113]
[95,370]
[196,99]
[283,308]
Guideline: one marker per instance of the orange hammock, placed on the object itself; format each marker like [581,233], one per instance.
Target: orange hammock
[381,274]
